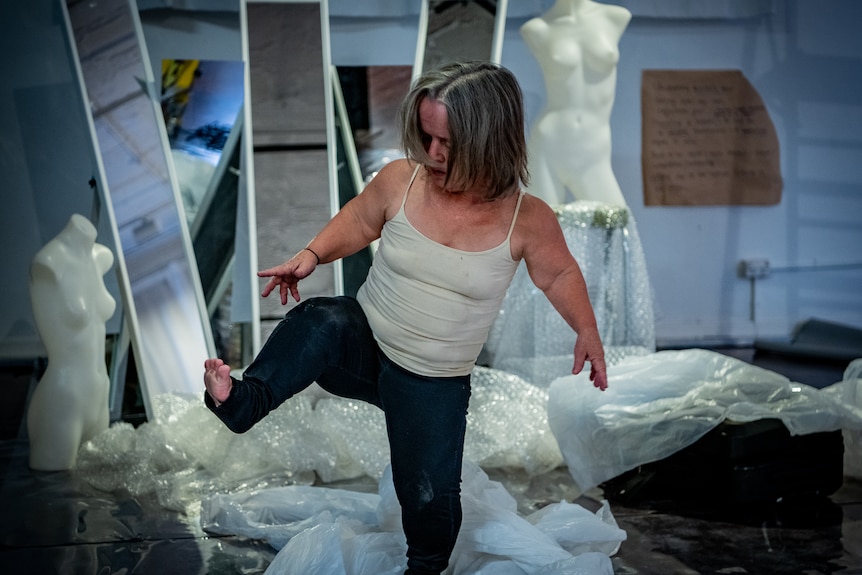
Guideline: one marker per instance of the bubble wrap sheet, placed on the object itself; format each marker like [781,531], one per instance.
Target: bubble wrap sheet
[259,484]
[657,404]
[336,532]
[530,339]
[189,453]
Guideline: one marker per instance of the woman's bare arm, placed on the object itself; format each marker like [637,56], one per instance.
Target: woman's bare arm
[553,269]
[355,226]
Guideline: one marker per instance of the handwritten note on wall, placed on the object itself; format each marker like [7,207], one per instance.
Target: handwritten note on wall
[707,140]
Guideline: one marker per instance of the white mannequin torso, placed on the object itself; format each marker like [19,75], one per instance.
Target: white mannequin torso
[576,45]
[70,305]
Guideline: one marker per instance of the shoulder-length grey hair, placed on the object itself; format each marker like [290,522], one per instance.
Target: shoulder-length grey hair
[485,110]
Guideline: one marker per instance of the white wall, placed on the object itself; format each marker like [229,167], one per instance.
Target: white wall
[805,60]
[46,160]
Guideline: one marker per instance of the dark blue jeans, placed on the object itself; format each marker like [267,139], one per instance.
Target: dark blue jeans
[328,340]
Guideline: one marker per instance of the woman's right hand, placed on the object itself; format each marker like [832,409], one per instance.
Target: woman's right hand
[286,276]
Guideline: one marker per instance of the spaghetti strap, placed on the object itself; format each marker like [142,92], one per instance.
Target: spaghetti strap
[515,216]
[409,185]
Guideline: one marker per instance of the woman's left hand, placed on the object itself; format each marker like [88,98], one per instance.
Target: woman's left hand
[588,347]
[287,275]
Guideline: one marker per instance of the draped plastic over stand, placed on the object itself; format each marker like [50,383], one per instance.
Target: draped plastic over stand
[530,339]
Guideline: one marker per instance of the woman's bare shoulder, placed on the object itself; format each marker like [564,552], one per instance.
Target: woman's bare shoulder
[397,168]
[537,223]
[394,175]
[390,183]
[535,210]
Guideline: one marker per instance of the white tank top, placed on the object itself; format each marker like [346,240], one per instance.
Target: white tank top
[431,306]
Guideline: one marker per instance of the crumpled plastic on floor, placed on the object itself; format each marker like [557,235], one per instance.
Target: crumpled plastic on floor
[187,453]
[340,532]
[259,484]
[660,403]
[655,405]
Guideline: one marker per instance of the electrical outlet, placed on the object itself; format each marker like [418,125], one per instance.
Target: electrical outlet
[754,268]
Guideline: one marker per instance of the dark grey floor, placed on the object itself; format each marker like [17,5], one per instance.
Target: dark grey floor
[55,523]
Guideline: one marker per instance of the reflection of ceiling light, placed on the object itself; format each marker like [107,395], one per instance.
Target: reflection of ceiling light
[145,229]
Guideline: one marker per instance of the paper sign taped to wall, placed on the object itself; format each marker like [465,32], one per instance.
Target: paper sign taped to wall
[707,140]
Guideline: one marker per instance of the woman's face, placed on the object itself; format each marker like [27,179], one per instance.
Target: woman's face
[433,121]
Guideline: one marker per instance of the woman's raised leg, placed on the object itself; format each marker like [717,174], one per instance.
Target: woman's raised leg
[327,340]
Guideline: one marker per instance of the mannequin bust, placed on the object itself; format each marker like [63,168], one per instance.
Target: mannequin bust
[576,45]
[71,305]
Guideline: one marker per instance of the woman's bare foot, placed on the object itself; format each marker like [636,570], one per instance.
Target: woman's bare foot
[217,380]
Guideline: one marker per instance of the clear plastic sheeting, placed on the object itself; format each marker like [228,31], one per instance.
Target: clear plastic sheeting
[188,453]
[528,331]
[541,371]
[850,391]
[657,404]
[507,424]
[336,532]
[278,514]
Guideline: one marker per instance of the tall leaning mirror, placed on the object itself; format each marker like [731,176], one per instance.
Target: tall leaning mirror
[291,152]
[197,55]
[201,103]
[169,326]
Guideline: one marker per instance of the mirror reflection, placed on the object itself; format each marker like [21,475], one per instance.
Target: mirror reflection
[168,322]
[349,178]
[366,105]
[291,112]
[372,95]
[459,30]
[200,101]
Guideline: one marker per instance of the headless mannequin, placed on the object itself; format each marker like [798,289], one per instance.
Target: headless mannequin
[70,305]
[576,45]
